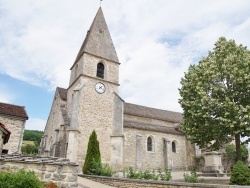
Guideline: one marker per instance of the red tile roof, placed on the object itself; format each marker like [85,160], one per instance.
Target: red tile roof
[6,132]
[13,110]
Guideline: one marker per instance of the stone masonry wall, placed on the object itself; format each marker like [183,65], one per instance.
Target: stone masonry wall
[154,159]
[95,111]
[57,170]
[16,126]
[53,129]
[131,183]
[1,141]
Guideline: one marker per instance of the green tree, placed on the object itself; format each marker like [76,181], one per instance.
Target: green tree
[215,97]
[231,153]
[92,164]
[32,135]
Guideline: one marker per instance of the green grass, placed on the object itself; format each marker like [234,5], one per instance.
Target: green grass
[26,142]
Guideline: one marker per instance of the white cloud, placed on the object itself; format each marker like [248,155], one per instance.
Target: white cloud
[5,95]
[35,124]
[156,41]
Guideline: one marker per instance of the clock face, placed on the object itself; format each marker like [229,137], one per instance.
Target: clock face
[100,87]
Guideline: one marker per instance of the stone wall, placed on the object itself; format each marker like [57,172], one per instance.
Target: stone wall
[54,140]
[57,170]
[1,141]
[94,111]
[131,183]
[138,156]
[16,126]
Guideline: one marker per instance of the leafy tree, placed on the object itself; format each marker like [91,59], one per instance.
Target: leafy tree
[92,164]
[231,153]
[215,97]
[33,135]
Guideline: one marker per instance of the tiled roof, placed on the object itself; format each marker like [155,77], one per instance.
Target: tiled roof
[6,133]
[152,127]
[147,112]
[63,93]
[13,110]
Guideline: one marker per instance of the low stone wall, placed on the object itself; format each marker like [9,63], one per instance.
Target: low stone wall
[58,170]
[132,183]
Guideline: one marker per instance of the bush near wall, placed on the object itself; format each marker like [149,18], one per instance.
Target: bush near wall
[20,179]
[240,174]
[23,179]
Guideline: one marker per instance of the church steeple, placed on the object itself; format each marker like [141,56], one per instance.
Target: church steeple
[98,41]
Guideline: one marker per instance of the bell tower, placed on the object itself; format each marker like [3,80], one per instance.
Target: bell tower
[99,45]
[92,90]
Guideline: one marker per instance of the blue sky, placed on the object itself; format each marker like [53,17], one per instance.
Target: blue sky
[156,41]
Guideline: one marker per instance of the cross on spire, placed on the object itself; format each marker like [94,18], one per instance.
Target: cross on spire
[100,3]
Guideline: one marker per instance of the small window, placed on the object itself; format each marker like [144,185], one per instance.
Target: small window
[100,70]
[149,144]
[5,151]
[173,147]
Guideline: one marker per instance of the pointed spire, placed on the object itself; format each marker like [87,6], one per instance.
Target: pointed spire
[98,40]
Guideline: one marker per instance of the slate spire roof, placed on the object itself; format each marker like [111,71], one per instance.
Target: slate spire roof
[98,41]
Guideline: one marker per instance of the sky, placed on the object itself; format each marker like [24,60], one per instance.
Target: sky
[156,42]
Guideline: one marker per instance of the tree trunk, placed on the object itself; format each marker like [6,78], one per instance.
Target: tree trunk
[238,150]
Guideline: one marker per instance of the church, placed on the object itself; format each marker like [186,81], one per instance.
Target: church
[129,135]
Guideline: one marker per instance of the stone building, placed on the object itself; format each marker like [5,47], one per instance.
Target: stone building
[14,118]
[4,136]
[129,134]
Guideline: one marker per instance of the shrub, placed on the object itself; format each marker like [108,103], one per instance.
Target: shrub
[29,149]
[148,175]
[92,164]
[106,170]
[166,176]
[199,163]
[130,173]
[240,174]
[192,178]
[20,179]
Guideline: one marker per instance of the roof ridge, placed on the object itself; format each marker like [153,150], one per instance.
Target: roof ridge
[153,108]
[13,110]
[12,104]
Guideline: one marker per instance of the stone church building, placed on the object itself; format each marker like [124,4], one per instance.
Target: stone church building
[128,134]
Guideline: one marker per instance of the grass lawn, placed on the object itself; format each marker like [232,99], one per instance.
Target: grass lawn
[26,142]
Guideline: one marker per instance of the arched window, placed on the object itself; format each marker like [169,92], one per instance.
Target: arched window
[173,147]
[100,70]
[149,144]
